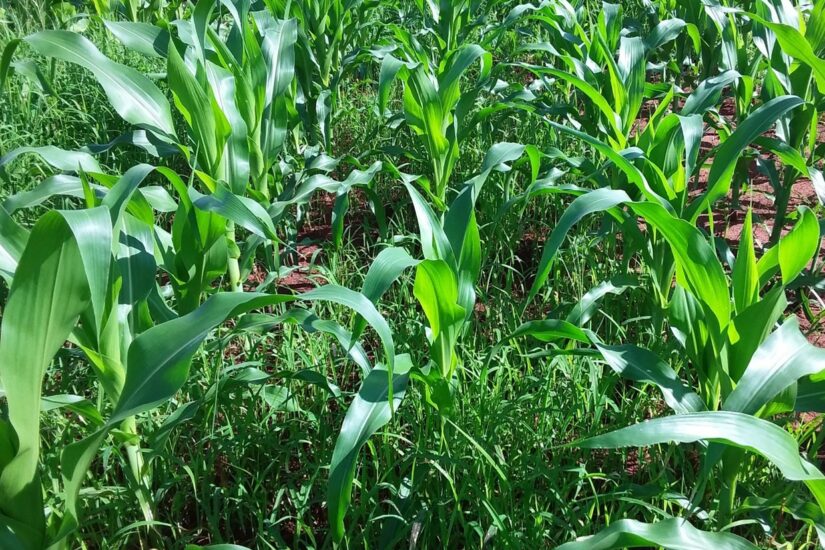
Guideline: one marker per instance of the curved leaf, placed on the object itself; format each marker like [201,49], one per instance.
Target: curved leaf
[671,533]
[369,411]
[731,428]
[133,96]
[63,271]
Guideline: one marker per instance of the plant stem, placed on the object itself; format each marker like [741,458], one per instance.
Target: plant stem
[234,255]
[142,480]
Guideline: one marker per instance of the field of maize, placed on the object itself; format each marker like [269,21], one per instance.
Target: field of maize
[412,274]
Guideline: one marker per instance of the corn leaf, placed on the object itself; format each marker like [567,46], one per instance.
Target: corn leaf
[671,533]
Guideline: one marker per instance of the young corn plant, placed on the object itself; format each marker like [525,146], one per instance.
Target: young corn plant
[232,83]
[444,287]
[434,105]
[89,276]
[607,69]
[330,33]
[745,368]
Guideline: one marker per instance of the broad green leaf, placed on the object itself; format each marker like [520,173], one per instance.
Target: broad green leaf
[245,212]
[724,164]
[698,269]
[13,239]
[436,289]
[549,330]
[590,203]
[803,242]
[785,357]
[584,310]
[133,96]
[208,126]
[795,45]
[666,31]
[370,411]
[810,395]
[745,277]
[144,38]
[731,428]
[749,329]
[641,365]
[383,272]
[159,358]
[67,161]
[457,64]
[434,242]
[59,185]
[235,165]
[361,305]
[390,68]
[63,271]
[800,245]
[671,533]
[633,174]
[278,48]
[594,95]
[708,93]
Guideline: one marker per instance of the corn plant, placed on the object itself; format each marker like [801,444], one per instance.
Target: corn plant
[725,326]
[435,108]
[607,69]
[329,35]
[104,259]
[235,98]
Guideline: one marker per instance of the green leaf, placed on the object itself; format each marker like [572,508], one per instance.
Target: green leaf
[708,93]
[434,242]
[731,428]
[278,48]
[549,330]
[243,211]
[641,365]
[436,289]
[13,239]
[59,185]
[800,245]
[803,242]
[671,533]
[63,271]
[698,269]
[785,357]
[159,358]
[724,164]
[594,95]
[361,305]
[67,161]
[132,95]
[208,126]
[384,271]
[749,329]
[633,174]
[795,45]
[595,201]
[584,310]
[144,38]
[745,277]
[369,412]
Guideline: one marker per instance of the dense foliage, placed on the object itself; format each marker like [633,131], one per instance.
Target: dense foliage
[425,273]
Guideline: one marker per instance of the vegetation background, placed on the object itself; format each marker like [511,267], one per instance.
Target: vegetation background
[637,209]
